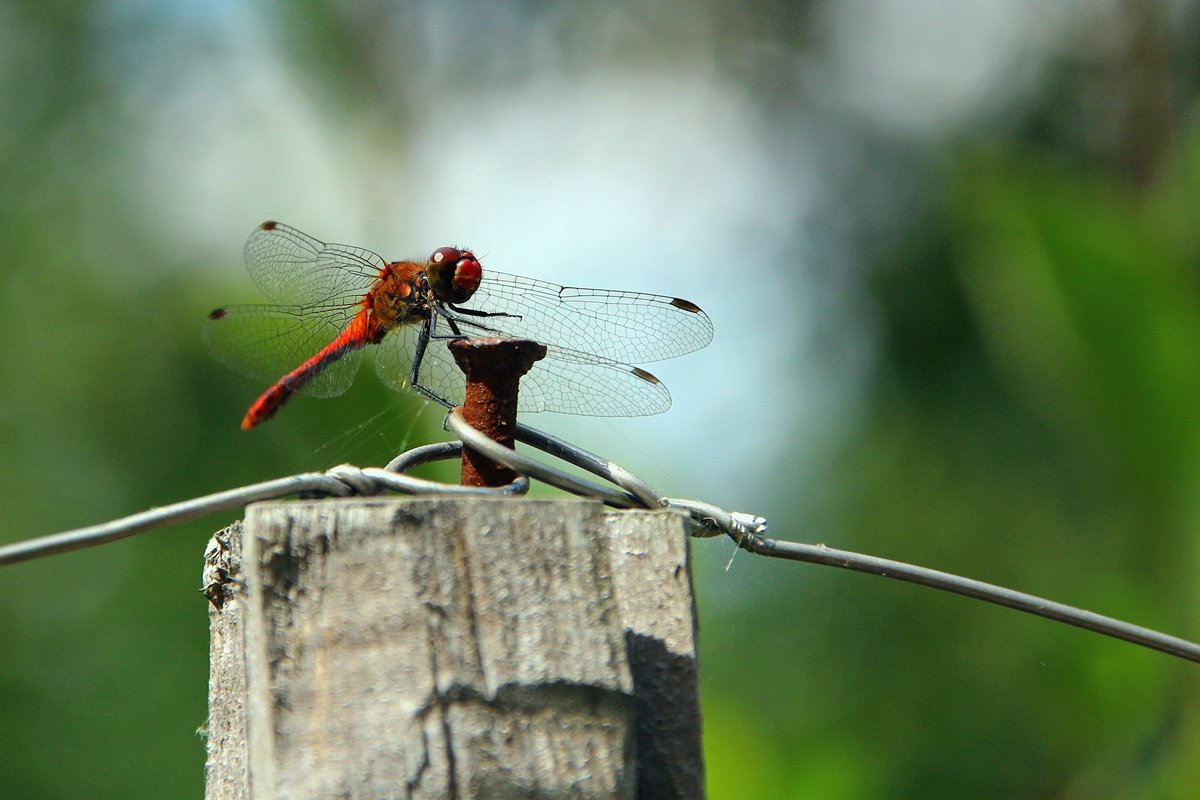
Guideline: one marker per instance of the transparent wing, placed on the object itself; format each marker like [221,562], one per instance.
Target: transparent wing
[565,381]
[267,342]
[560,382]
[293,268]
[619,326]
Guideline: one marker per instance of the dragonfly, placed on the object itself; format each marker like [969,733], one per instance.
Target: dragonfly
[333,301]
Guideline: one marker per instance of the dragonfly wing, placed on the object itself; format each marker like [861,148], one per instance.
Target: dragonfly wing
[577,383]
[293,268]
[267,342]
[620,326]
[565,381]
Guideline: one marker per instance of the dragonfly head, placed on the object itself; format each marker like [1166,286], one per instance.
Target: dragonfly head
[453,274]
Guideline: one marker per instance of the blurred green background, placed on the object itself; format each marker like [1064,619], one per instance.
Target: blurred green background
[950,250]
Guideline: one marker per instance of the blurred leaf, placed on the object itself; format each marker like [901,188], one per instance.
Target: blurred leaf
[1088,305]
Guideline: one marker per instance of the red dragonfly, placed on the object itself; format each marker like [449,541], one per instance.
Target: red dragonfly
[335,300]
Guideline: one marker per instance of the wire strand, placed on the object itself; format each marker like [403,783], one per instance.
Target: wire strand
[1030,604]
[169,515]
[704,519]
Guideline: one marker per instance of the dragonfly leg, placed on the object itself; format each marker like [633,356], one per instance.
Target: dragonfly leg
[474,312]
[419,356]
[429,394]
[430,329]
[474,328]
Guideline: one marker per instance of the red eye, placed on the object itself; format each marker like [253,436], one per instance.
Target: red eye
[453,274]
[446,255]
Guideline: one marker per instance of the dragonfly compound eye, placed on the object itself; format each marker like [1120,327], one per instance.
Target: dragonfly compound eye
[453,274]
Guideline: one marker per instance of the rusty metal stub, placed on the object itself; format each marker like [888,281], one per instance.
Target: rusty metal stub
[493,368]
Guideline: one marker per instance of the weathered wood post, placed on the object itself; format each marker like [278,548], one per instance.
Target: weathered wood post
[451,647]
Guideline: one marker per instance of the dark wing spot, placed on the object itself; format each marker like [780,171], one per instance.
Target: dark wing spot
[638,372]
[269,225]
[217,313]
[686,305]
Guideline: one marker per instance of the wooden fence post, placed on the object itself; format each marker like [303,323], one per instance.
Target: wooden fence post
[452,647]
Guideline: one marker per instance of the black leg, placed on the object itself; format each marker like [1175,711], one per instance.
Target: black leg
[474,312]
[473,328]
[419,356]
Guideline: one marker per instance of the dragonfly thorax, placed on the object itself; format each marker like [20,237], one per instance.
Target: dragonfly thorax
[400,296]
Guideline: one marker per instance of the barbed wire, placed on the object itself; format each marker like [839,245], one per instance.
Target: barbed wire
[702,519]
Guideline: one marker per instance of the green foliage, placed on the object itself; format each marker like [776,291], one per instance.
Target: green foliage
[1034,424]
[1033,420]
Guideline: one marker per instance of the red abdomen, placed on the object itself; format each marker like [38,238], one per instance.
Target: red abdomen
[356,335]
